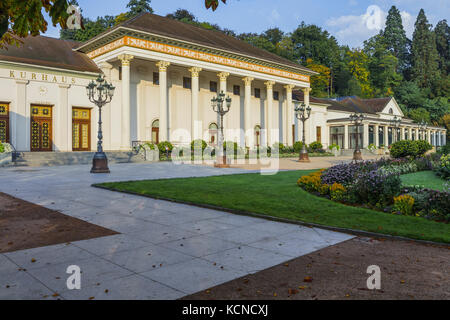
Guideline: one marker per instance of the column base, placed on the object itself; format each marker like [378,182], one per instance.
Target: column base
[304,158]
[357,156]
[221,162]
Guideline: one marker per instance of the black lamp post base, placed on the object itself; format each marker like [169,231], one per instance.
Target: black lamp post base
[100,163]
[357,155]
[304,157]
[221,162]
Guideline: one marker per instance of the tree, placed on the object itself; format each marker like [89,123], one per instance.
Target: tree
[358,63]
[442,31]
[138,6]
[394,37]
[213,4]
[19,18]
[182,15]
[425,57]
[420,114]
[320,84]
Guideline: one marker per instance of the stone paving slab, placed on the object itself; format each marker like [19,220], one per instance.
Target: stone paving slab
[165,250]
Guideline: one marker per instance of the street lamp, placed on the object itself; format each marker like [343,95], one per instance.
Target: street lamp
[357,119]
[100,93]
[423,125]
[396,124]
[221,106]
[303,113]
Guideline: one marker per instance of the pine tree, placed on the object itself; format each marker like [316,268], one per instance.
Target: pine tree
[138,6]
[425,56]
[442,31]
[395,37]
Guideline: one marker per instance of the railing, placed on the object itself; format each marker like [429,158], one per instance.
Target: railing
[15,154]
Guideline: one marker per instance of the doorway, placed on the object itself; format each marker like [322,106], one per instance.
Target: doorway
[81,129]
[41,128]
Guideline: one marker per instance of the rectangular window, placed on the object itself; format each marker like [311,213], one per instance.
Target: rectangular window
[319,134]
[337,136]
[187,83]
[257,93]
[156,78]
[276,95]
[371,135]
[353,136]
[120,73]
[237,90]
[213,86]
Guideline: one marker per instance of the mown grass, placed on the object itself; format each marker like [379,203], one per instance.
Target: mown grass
[279,196]
[426,179]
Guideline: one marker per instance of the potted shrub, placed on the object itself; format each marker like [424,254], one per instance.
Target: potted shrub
[5,154]
[335,149]
[372,148]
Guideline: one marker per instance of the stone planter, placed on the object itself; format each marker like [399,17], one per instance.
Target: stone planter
[336,152]
[152,155]
[5,158]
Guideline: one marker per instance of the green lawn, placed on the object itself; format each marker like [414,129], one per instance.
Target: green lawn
[279,196]
[427,179]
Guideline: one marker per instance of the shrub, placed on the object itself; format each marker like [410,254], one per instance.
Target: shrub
[2,148]
[403,149]
[278,147]
[163,145]
[197,144]
[399,169]
[422,147]
[375,188]
[334,146]
[404,204]
[230,147]
[444,149]
[298,146]
[337,192]
[371,147]
[443,168]
[315,147]
[313,183]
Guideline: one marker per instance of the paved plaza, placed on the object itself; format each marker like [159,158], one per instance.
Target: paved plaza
[164,250]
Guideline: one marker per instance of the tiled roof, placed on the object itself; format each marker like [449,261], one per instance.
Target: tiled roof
[166,27]
[49,52]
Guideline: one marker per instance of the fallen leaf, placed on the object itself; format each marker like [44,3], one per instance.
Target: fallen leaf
[307,279]
[33,260]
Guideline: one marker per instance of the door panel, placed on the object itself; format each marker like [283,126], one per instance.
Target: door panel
[4,122]
[41,128]
[81,129]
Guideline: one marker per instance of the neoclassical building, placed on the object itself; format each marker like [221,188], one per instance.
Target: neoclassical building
[166,72]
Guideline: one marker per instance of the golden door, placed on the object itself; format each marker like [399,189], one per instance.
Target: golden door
[4,122]
[81,129]
[41,128]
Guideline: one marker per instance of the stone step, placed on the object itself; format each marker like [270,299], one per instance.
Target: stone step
[38,159]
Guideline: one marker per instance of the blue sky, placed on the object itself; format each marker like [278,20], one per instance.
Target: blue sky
[348,20]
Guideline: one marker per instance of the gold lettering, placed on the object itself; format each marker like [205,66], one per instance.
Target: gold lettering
[33,76]
[11,74]
[63,79]
[54,79]
[44,77]
[23,75]
[73,80]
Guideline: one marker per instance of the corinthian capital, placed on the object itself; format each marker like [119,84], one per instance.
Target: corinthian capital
[126,59]
[269,84]
[306,90]
[162,65]
[195,71]
[223,76]
[248,81]
[289,88]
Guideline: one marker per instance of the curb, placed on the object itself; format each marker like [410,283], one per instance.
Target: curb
[283,220]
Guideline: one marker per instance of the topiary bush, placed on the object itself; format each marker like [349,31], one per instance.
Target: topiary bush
[197,144]
[163,145]
[315,147]
[403,149]
[298,146]
[422,147]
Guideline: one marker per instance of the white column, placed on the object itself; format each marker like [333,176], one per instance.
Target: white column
[20,122]
[248,112]
[402,132]
[429,136]
[223,76]
[163,109]
[386,136]
[106,110]
[377,135]
[64,120]
[366,135]
[289,113]
[196,124]
[346,147]
[269,124]
[409,134]
[126,120]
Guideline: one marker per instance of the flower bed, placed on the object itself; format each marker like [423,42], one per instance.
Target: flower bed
[377,185]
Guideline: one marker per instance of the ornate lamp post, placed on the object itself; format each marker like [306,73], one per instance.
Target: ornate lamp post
[396,124]
[423,125]
[100,93]
[303,113]
[221,106]
[357,119]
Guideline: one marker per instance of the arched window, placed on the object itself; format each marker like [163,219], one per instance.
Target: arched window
[155,131]
[213,134]
[391,111]
[258,136]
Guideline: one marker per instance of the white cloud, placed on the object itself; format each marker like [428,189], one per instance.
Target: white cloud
[352,30]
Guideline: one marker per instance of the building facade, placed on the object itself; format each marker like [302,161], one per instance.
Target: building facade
[166,72]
